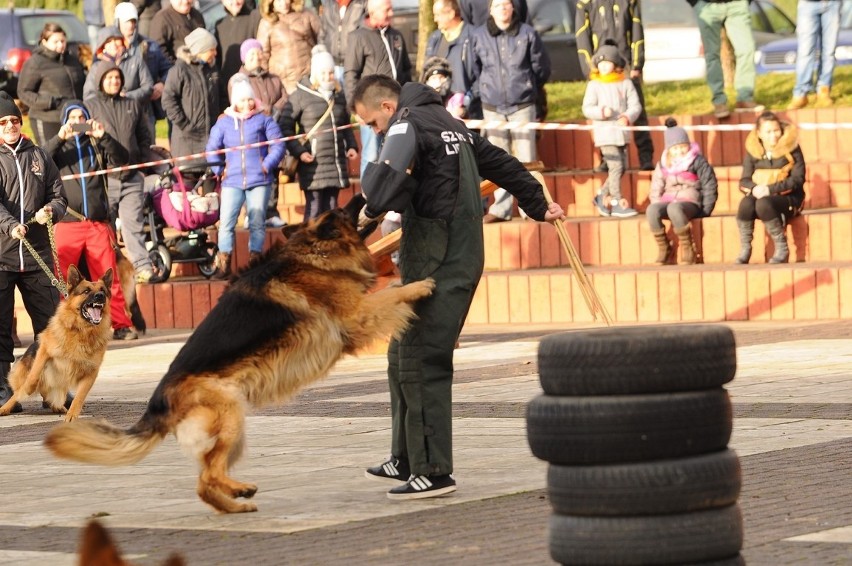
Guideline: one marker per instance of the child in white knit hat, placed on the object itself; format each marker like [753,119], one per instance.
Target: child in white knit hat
[318,105]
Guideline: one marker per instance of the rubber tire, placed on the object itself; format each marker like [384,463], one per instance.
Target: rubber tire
[633,360]
[700,536]
[161,262]
[708,481]
[628,428]
[209,269]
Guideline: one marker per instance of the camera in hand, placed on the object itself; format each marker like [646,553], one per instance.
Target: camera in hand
[81,128]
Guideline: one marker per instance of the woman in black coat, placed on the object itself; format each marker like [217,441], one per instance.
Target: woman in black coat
[49,78]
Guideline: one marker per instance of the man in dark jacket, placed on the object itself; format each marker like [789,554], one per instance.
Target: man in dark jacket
[125,120]
[112,48]
[339,18]
[453,40]
[429,168]
[237,25]
[619,21]
[172,24]
[30,194]
[375,49]
[86,230]
[512,66]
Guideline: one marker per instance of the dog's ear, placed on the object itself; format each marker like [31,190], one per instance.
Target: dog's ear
[328,225]
[98,547]
[74,276]
[354,206]
[107,278]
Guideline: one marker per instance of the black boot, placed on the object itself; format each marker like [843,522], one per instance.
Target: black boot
[746,233]
[779,236]
[6,389]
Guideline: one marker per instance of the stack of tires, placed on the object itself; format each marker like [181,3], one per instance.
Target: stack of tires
[635,424]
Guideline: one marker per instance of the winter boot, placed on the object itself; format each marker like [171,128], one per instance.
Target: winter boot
[6,389]
[664,246]
[746,233]
[223,266]
[687,251]
[779,236]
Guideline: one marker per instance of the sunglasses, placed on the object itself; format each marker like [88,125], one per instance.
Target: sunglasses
[13,121]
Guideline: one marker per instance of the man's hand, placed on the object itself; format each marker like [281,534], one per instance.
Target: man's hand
[19,232]
[98,130]
[306,157]
[634,74]
[623,121]
[157,92]
[44,214]
[554,212]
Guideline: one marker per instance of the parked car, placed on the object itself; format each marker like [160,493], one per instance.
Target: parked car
[19,32]
[673,48]
[780,56]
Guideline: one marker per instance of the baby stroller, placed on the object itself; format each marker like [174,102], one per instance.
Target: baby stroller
[185,201]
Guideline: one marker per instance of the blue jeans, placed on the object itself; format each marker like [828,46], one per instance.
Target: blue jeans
[370,142]
[519,143]
[232,201]
[817,28]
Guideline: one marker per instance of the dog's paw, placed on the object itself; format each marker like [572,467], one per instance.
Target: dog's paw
[420,289]
[70,417]
[247,491]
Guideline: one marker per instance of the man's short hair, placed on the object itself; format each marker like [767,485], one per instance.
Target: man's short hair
[373,89]
[452,5]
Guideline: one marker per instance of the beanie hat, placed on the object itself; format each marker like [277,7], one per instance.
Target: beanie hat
[674,134]
[199,41]
[321,60]
[67,107]
[608,52]
[436,66]
[125,12]
[247,46]
[239,88]
[8,106]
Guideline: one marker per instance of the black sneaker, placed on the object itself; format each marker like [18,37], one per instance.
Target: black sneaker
[394,470]
[421,487]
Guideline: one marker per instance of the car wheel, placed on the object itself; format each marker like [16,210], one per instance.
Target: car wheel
[648,359]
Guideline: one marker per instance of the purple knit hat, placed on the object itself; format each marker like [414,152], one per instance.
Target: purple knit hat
[247,46]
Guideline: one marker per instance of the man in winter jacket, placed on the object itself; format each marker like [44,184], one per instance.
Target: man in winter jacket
[512,65]
[112,48]
[125,121]
[338,19]
[375,49]
[453,40]
[172,24]
[429,169]
[86,230]
[30,194]
[237,25]
[619,21]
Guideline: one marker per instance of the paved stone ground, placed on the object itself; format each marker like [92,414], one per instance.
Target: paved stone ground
[792,430]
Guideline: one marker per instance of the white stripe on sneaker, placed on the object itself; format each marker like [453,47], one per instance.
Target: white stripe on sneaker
[420,483]
[390,469]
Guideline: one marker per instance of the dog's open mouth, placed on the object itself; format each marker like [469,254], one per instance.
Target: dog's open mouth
[93,312]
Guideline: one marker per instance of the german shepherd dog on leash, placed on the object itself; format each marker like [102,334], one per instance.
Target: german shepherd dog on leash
[280,326]
[68,353]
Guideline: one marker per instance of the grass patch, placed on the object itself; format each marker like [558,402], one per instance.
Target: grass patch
[565,100]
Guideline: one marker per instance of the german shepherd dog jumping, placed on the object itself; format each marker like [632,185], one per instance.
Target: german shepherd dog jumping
[281,325]
[68,353]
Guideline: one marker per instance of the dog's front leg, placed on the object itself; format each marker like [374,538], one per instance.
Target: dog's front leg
[83,388]
[387,312]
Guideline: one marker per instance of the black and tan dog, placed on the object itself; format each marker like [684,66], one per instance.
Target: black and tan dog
[98,549]
[67,355]
[280,326]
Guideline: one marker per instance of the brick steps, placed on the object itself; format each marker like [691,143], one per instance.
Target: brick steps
[823,235]
[667,294]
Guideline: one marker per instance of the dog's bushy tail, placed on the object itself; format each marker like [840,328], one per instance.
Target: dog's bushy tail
[99,442]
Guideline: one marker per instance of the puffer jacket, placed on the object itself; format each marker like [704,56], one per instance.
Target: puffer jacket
[87,196]
[304,108]
[511,65]
[268,90]
[689,179]
[47,80]
[334,30]
[191,102]
[22,197]
[287,42]
[245,168]
[124,119]
[367,55]
[618,94]
[786,155]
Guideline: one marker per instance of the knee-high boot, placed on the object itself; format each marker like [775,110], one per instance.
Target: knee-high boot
[779,236]
[746,228]
[665,248]
[687,251]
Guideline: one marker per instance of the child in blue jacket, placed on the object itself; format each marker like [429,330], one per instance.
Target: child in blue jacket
[248,173]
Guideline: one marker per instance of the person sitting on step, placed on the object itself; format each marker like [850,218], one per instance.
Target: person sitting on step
[683,187]
[773,181]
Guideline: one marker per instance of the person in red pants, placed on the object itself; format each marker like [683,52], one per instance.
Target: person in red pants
[86,232]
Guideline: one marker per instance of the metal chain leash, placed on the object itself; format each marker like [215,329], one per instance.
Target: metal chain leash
[56,279]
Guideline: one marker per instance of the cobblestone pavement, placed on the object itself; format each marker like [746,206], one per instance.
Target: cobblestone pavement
[792,430]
